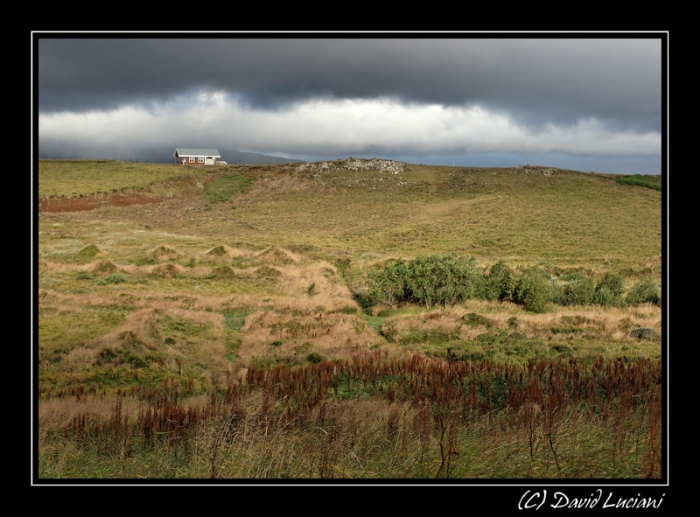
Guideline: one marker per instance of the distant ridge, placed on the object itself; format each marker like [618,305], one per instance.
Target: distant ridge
[163,155]
[238,157]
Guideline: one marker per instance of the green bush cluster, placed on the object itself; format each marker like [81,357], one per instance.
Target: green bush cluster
[449,279]
[429,280]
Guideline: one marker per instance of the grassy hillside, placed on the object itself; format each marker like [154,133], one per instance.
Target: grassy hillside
[517,214]
[166,281]
[87,177]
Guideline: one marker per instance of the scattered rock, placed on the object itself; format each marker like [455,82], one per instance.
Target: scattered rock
[527,169]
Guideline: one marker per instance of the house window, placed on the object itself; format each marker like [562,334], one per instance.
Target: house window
[200,160]
[191,159]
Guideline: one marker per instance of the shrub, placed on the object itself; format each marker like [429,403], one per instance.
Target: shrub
[498,285]
[443,279]
[644,292]
[389,285]
[435,279]
[579,292]
[609,290]
[605,297]
[533,291]
[314,358]
[612,281]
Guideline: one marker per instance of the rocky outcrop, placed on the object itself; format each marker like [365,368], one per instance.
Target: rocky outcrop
[527,169]
[355,164]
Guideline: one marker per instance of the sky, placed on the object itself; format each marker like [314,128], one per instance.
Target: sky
[588,103]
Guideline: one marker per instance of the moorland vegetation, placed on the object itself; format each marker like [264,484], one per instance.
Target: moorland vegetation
[290,321]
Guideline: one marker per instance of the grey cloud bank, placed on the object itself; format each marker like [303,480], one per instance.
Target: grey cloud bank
[594,102]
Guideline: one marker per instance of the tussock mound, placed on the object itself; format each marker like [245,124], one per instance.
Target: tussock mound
[105,267]
[163,251]
[273,257]
[166,271]
[137,334]
[219,251]
[268,272]
[87,254]
[644,333]
[224,272]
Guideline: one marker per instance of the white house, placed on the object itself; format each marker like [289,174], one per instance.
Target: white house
[188,156]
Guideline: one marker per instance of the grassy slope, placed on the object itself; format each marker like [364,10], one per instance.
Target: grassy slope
[86,177]
[568,218]
[334,225]
[336,219]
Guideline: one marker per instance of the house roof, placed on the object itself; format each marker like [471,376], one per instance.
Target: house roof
[186,151]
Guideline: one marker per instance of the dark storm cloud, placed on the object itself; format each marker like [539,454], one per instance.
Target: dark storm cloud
[536,81]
